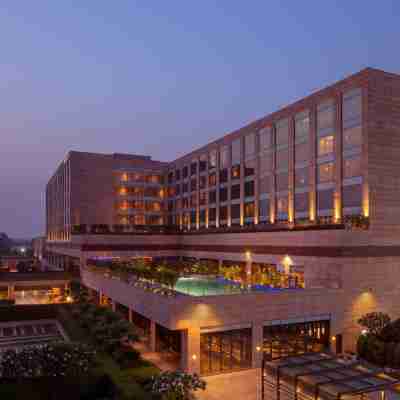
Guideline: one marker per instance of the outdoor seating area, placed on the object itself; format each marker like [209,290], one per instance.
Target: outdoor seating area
[25,333]
[325,377]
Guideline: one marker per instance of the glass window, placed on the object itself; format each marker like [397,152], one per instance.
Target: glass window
[212,197]
[282,132]
[249,189]
[302,126]
[212,159]
[178,174]
[236,150]
[185,187]
[265,163]
[325,145]
[235,192]
[263,209]
[236,172]
[203,182]
[223,194]
[223,176]
[325,199]
[352,167]
[302,152]
[282,182]
[193,217]
[185,202]
[352,196]
[193,200]
[202,216]
[193,168]
[223,213]
[212,215]
[301,177]
[326,172]
[203,163]
[282,159]
[265,138]
[170,177]
[249,210]
[282,205]
[326,116]
[250,145]
[212,179]
[352,138]
[224,157]
[203,198]
[193,185]
[352,108]
[185,172]
[265,184]
[301,202]
[235,211]
[249,167]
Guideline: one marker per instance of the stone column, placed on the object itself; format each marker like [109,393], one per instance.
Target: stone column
[257,345]
[153,336]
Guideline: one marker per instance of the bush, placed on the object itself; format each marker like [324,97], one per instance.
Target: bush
[126,358]
[374,322]
[391,332]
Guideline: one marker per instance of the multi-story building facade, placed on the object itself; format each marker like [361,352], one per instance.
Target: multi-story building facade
[313,187]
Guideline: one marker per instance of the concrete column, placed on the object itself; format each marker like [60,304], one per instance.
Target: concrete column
[153,336]
[129,315]
[257,345]
[190,359]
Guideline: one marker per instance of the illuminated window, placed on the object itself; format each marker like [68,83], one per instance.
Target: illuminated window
[282,205]
[326,172]
[193,200]
[123,191]
[203,198]
[249,210]
[212,179]
[124,177]
[325,145]
[236,172]
[124,205]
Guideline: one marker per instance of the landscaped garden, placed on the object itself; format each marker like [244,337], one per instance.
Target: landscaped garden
[99,362]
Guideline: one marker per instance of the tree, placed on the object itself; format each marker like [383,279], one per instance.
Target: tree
[374,322]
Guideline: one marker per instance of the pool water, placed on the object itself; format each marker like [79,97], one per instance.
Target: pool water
[212,286]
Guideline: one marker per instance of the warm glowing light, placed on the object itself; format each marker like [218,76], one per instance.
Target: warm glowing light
[364,332]
[287,261]
[248,255]
[69,299]
[258,348]
[124,177]
[123,191]
[22,250]
[194,357]
[333,338]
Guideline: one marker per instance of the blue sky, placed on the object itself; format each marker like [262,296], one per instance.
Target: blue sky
[162,78]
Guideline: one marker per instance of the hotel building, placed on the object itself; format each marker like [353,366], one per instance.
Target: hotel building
[312,189]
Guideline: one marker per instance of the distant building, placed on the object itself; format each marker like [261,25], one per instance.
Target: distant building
[5,242]
[312,189]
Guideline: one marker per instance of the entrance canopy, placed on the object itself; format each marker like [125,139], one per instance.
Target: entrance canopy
[324,377]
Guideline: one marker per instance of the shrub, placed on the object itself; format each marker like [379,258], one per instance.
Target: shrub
[126,357]
[391,332]
[374,322]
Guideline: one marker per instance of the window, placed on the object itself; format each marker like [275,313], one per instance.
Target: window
[282,159]
[236,152]
[223,176]
[235,211]
[223,194]
[325,199]
[301,177]
[203,163]
[212,159]
[223,213]
[282,132]
[326,172]
[236,172]
[265,138]
[301,202]
[185,202]
[202,182]
[352,138]
[193,200]
[265,163]
[178,174]
[352,167]
[263,209]
[224,157]
[249,167]
[249,210]
[212,179]
[171,191]
[212,197]
[235,192]
[203,198]
[193,217]
[352,108]
[352,196]
[265,184]
[170,205]
[302,126]
[249,189]
[178,204]
[185,172]
[282,206]
[250,145]
[193,168]
[302,152]
[170,177]
[212,215]
[193,185]
[185,187]
[325,145]
[178,189]
[202,216]
[326,116]
[282,182]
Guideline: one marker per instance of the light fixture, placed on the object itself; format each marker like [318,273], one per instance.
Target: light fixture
[248,255]
[69,299]
[194,357]
[333,338]
[258,348]
[364,332]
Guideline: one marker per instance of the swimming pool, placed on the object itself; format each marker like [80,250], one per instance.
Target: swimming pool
[212,286]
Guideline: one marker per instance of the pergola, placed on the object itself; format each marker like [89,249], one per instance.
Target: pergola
[321,376]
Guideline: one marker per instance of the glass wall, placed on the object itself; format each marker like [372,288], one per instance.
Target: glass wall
[225,351]
[294,339]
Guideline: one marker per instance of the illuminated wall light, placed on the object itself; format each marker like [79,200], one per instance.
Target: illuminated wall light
[124,177]
[248,255]
[364,332]
[365,201]
[333,338]
[194,357]
[258,348]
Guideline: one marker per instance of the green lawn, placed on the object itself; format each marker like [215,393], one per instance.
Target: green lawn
[127,380]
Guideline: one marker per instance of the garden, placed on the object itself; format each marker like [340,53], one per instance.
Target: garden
[379,342]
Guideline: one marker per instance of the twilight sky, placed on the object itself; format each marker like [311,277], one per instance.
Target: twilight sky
[162,77]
